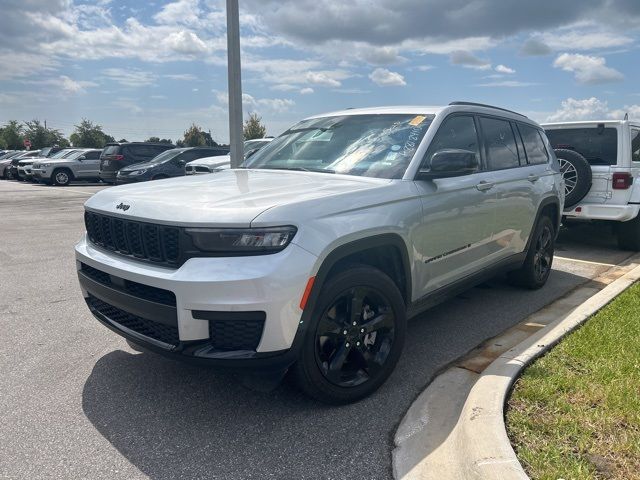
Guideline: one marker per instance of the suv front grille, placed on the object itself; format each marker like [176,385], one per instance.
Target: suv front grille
[158,331]
[144,241]
[145,292]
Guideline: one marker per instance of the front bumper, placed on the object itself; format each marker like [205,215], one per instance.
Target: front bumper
[206,288]
[591,211]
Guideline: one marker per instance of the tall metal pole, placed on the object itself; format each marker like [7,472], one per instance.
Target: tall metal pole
[235,83]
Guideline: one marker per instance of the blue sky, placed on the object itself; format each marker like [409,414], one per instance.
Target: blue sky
[151,68]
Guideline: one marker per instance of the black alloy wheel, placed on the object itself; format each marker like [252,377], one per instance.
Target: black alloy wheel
[355,336]
[543,255]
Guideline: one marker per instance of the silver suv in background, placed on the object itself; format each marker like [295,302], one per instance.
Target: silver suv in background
[600,162]
[73,164]
[312,257]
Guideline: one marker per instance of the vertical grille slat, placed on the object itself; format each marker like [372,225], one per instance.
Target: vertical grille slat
[145,241]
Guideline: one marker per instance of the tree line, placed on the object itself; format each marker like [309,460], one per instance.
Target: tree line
[88,134]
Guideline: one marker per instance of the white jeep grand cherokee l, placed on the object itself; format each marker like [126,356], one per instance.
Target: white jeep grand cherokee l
[313,256]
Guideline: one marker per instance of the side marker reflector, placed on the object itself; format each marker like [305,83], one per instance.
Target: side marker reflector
[307,292]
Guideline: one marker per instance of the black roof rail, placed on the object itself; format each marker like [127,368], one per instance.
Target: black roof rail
[472,104]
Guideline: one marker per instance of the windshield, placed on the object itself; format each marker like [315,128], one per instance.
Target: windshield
[598,145]
[62,153]
[251,144]
[380,145]
[166,155]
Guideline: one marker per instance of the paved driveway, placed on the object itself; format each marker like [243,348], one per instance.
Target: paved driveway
[77,402]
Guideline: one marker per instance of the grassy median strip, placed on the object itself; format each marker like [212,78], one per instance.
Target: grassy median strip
[575,413]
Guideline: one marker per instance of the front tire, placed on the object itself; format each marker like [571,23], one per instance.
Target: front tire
[537,265]
[61,177]
[355,337]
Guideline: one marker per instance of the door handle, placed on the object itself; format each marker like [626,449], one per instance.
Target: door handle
[533,178]
[484,186]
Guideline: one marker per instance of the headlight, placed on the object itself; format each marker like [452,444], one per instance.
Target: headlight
[137,172]
[239,241]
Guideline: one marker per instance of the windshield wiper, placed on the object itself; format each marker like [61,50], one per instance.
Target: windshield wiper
[301,169]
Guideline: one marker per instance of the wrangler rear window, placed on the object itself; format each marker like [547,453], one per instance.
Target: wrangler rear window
[598,145]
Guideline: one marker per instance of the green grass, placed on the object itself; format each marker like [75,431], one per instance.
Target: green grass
[575,413]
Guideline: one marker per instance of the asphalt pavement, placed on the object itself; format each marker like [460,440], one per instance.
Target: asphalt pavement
[76,402]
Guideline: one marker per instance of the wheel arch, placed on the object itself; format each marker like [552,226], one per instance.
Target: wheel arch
[548,206]
[387,252]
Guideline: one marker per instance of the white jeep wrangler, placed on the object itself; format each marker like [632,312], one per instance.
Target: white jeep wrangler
[600,161]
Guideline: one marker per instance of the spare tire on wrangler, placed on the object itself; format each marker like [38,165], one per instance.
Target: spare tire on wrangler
[576,172]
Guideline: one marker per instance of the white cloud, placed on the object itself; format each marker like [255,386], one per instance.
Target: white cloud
[586,38]
[587,69]
[504,69]
[323,79]
[252,104]
[185,42]
[181,76]
[131,77]
[507,83]
[386,78]
[306,91]
[592,108]
[468,60]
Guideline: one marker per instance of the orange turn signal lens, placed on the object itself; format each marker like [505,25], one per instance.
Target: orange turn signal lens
[307,292]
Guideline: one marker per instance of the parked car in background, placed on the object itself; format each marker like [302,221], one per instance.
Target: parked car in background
[119,155]
[170,163]
[208,165]
[313,256]
[16,160]
[24,165]
[600,162]
[215,164]
[79,164]
[5,163]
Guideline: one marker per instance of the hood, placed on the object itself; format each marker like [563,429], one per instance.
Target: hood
[230,198]
[30,160]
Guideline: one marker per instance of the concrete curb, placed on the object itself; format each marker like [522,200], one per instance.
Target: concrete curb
[467,438]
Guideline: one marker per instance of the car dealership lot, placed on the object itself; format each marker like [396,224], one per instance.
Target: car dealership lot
[77,402]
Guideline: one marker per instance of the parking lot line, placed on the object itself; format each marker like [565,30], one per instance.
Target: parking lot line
[584,261]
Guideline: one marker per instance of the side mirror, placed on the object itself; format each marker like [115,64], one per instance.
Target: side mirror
[82,158]
[182,163]
[450,163]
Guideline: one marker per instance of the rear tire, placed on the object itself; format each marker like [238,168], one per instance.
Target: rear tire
[628,234]
[337,367]
[577,175]
[537,265]
[61,177]
[8,174]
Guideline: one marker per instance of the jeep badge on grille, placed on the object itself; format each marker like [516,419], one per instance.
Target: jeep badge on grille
[123,207]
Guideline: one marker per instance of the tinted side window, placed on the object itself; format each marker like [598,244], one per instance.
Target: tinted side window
[533,145]
[193,154]
[635,145]
[94,155]
[457,132]
[143,151]
[499,143]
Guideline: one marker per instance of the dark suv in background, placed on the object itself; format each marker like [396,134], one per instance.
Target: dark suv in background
[118,155]
[170,163]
